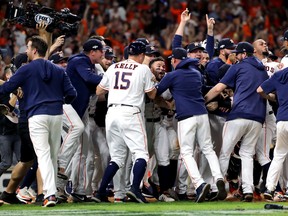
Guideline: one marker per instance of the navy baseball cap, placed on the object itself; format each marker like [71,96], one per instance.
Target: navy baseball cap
[56,58]
[285,36]
[92,44]
[136,48]
[125,53]
[194,46]
[244,47]
[226,43]
[179,53]
[150,49]
[144,40]
[20,59]
[109,52]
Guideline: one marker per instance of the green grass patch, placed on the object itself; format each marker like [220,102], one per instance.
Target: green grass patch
[155,208]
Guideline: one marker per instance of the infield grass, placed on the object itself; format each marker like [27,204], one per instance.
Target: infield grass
[155,208]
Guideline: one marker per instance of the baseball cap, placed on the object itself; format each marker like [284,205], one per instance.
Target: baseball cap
[56,58]
[244,47]
[125,53]
[179,53]
[285,36]
[20,59]
[144,40]
[92,44]
[226,43]
[109,52]
[194,46]
[3,52]
[150,49]
[136,48]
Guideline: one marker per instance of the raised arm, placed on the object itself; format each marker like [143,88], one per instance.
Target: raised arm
[177,40]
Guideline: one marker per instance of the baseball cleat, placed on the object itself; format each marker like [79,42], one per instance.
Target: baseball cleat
[49,201]
[222,194]
[202,191]
[136,196]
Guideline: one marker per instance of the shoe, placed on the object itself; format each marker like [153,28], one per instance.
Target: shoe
[165,198]
[68,188]
[222,194]
[110,190]
[10,198]
[136,196]
[79,198]
[286,194]
[268,194]
[247,197]
[97,197]
[49,201]
[182,197]
[279,197]
[61,196]
[39,199]
[147,191]
[24,195]
[202,191]
[173,194]
[211,196]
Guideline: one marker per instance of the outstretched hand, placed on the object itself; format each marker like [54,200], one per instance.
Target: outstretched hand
[185,15]
[210,22]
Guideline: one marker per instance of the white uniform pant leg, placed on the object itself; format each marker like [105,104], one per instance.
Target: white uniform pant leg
[161,145]
[45,133]
[247,152]
[266,137]
[102,155]
[186,134]
[78,172]
[280,153]
[181,178]
[73,127]
[232,133]
[206,147]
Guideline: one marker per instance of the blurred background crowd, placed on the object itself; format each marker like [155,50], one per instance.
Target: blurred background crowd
[122,21]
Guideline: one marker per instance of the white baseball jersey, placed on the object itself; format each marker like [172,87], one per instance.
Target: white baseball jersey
[126,82]
[284,60]
[271,67]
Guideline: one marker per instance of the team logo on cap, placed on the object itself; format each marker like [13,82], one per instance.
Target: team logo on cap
[95,47]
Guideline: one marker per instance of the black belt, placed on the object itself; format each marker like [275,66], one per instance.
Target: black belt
[153,119]
[111,105]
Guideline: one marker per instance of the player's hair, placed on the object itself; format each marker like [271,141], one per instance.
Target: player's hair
[39,44]
[155,60]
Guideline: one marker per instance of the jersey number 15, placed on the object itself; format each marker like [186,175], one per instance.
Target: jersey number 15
[123,82]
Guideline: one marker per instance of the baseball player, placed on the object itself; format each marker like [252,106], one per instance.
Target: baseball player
[82,72]
[277,83]
[284,60]
[127,83]
[43,103]
[268,131]
[247,115]
[185,85]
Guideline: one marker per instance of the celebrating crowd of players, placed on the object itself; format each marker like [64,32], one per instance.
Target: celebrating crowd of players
[96,128]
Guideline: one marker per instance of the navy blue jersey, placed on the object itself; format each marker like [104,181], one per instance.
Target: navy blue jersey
[45,86]
[185,86]
[279,83]
[212,70]
[83,76]
[245,77]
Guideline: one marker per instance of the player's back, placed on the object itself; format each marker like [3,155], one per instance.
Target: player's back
[128,81]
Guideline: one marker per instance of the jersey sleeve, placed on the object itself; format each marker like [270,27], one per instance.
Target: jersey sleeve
[229,78]
[104,84]
[148,83]
[268,85]
[164,83]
